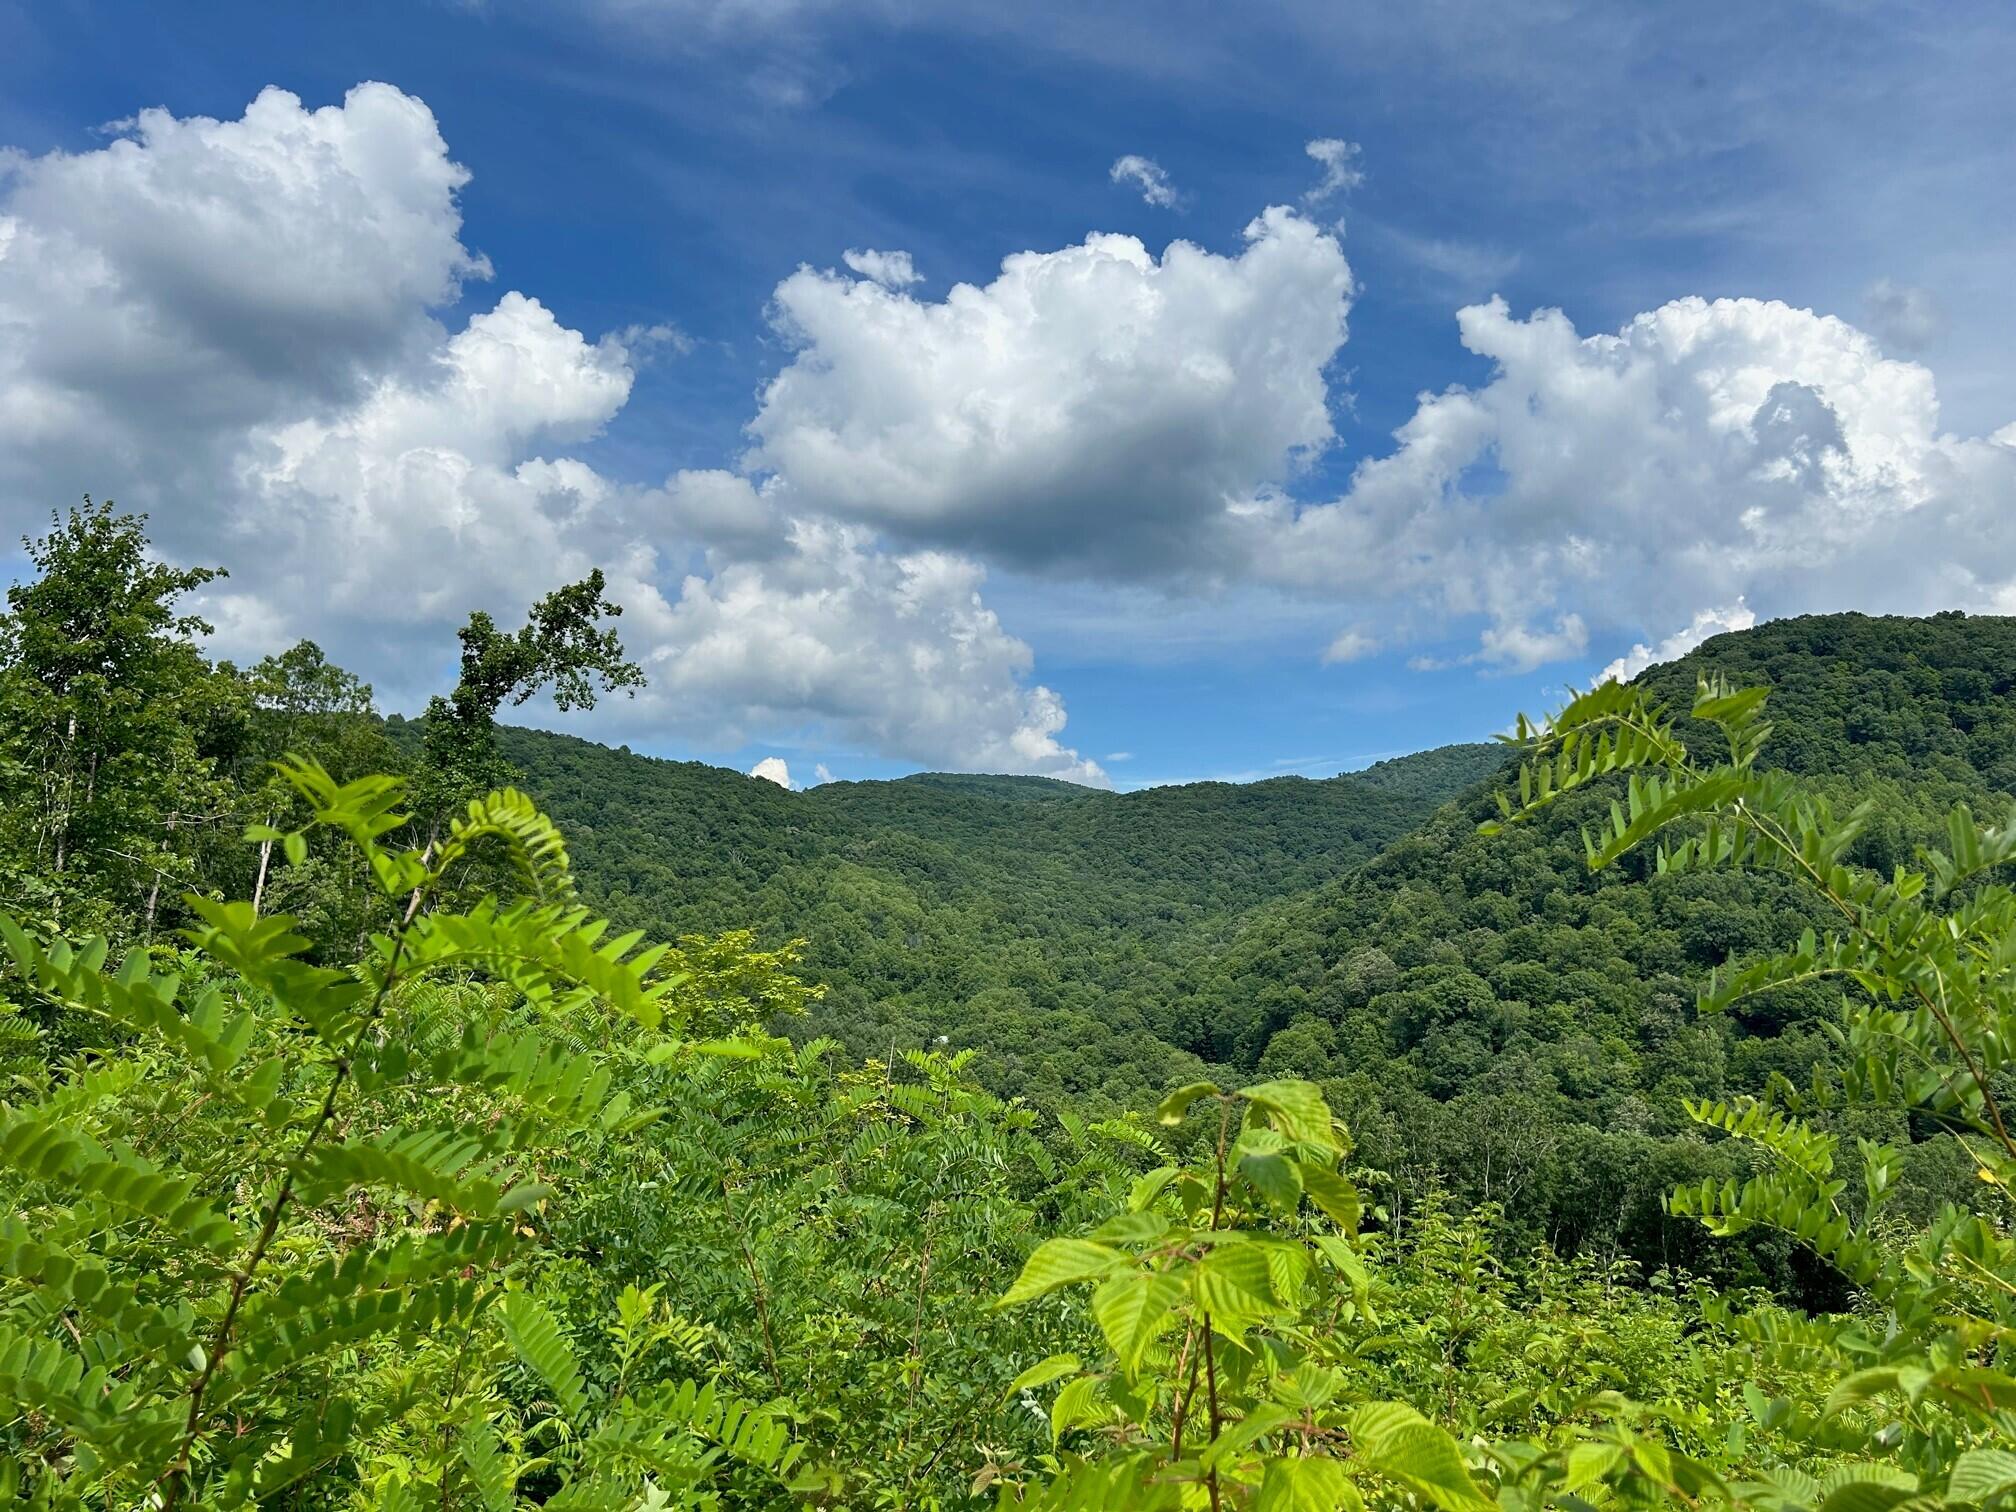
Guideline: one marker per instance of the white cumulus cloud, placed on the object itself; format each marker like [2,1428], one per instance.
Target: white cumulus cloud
[1706,452]
[892,270]
[1737,616]
[197,277]
[1095,409]
[896,652]
[234,323]
[773,769]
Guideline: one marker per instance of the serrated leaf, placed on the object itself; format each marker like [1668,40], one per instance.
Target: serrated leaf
[1296,1108]
[1866,1496]
[1589,1463]
[1981,1475]
[1060,1262]
[1134,1310]
[1150,1186]
[1076,1404]
[1336,1195]
[1042,1373]
[1276,1178]
[1306,1485]
[1422,1457]
[1177,1103]
[1862,1386]
[1233,1285]
[1130,1228]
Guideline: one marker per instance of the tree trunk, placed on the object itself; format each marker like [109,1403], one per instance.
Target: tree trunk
[259,886]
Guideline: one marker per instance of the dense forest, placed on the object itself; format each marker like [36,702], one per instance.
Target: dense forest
[429,1113]
[1504,1025]
[1046,924]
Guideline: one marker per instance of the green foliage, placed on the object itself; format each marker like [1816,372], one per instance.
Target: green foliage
[562,646]
[371,1165]
[1925,963]
[209,1319]
[1263,1348]
[106,710]
[1057,929]
[1521,1030]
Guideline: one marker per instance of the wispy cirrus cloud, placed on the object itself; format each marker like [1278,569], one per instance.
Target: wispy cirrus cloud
[1148,176]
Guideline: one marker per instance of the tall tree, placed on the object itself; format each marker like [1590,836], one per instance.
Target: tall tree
[563,645]
[107,702]
[305,706]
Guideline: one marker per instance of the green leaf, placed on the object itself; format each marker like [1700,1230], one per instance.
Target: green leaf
[1232,1442]
[1232,1283]
[1374,1422]
[1866,1496]
[1403,1447]
[1297,1109]
[540,1344]
[1075,1404]
[1981,1475]
[1589,1463]
[1147,1188]
[1862,1386]
[1134,1310]
[1042,1373]
[1336,1195]
[1131,1228]
[1059,1262]
[1276,1178]
[725,1049]
[394,1495]
[1177,1103]
[1306,1485]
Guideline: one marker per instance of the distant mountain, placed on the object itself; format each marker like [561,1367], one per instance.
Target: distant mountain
[1046,920]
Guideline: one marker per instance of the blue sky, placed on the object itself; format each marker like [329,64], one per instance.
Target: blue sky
[655,173]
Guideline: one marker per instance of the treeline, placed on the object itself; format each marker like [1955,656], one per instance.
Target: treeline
[132,766]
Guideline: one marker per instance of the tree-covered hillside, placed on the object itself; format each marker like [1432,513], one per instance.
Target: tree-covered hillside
[1048,923]
[1497,1018]
[1496,1013]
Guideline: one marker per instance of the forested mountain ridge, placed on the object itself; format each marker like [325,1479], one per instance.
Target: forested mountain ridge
[1495,1012]
[1043,921]
[1495,1016]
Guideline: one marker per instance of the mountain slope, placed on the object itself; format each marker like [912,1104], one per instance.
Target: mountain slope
[1489,1015]
[1048,922]
[1528,1029]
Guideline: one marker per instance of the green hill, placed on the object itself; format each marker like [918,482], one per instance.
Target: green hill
[1489,1010]
[1489,1013]
[1049,922]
